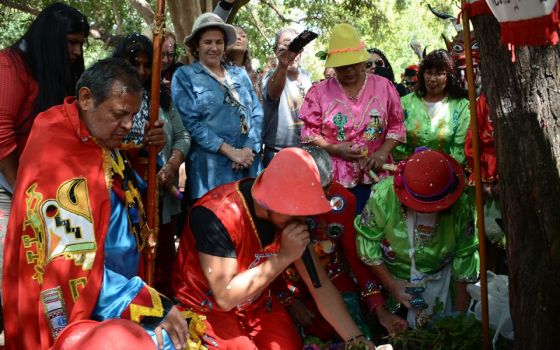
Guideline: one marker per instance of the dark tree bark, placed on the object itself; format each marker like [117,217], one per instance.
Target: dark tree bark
[524,98]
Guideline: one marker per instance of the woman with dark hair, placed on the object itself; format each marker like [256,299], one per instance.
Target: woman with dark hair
[379,64]
[37,72]
[239,54]
[437,113]
[219,108]
[137,49]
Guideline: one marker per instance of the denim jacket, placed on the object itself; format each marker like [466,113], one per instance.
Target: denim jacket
[211,119]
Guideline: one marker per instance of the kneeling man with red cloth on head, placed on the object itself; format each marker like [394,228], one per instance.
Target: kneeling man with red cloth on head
[333,238]
[239,238]
[417,234]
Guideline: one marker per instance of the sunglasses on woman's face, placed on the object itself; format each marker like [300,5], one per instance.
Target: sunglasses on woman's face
[378,63]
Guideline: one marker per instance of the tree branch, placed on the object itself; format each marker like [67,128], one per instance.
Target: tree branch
[257,23]
[238,4]
[19,6]
[278,12]
[108,39]
[118,18]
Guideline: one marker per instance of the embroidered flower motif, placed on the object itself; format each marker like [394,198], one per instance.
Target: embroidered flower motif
[365,217]
[340,120]
[387,251]
[374,129]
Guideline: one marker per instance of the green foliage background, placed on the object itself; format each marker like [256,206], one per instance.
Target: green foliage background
[389,25]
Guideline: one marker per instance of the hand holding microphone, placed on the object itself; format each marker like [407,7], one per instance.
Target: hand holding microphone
[294,243]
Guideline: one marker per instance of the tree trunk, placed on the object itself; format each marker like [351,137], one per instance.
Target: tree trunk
[144,9]
[524,98]
[183,13]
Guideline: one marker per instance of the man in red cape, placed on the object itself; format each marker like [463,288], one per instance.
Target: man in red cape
[76,232]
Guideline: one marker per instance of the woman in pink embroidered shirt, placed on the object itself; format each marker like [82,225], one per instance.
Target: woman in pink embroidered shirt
[356,117]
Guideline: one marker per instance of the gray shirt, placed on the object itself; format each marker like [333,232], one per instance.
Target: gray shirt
[282,127]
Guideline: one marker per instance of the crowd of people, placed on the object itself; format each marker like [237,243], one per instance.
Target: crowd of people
[337,209]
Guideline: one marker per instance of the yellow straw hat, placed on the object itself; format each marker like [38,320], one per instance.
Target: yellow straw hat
[345,47]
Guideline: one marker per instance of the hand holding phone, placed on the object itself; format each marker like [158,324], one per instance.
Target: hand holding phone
[301,40]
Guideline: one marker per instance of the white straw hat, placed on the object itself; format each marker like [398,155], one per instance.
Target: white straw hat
[209,19]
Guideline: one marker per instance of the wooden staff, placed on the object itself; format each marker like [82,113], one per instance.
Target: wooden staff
[152,199]
[478,180]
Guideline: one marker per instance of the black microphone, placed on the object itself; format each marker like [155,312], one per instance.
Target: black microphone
[310,267]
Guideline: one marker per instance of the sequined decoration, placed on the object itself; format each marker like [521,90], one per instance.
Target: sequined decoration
[423,235]
[228,99]
[339,120]
[244,125]
[374,129]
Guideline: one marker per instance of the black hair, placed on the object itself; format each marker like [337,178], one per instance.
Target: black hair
[195,40]
[44,48]
[247,64]
[441,60]
[101,77]
[246,55]
[386,62]
[129,48]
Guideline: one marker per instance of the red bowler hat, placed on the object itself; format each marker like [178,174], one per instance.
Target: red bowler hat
[429,181]
[291,185]
[110,334]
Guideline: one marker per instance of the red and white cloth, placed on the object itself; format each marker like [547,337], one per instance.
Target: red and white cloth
[527,22]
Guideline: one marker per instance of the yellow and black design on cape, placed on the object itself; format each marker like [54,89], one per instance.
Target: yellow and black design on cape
[61,226]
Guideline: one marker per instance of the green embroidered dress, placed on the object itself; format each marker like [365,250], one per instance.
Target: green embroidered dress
[445,131]
[382,237]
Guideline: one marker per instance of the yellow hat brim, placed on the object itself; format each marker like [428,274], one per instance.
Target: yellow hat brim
[340,59]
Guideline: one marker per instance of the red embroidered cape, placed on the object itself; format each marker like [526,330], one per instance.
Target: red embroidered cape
[55,240]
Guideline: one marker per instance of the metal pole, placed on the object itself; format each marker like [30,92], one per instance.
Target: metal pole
[478,180]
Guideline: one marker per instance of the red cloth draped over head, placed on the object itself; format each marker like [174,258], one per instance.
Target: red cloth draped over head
[54,243]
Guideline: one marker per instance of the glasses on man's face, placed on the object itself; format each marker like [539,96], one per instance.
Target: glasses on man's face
[169,55]
[378,63]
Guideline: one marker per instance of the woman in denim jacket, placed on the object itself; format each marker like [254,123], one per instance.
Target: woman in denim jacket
[219,108]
